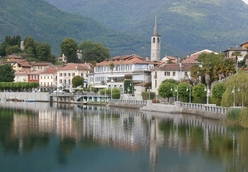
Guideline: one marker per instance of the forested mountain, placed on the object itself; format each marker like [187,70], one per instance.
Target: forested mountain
[46,23]
[184,25]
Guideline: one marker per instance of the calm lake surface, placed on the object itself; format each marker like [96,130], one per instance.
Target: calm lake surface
[40,137]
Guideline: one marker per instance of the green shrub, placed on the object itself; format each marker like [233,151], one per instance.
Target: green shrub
[145,95]
[233,114]
[243,117]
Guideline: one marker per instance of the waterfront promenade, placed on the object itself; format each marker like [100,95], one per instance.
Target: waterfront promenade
[204,110]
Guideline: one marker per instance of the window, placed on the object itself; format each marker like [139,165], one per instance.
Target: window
[82,74]
[153,40]
[64,74]
[64,81]
[158,40]
[155,83]
[60,81]
[69,81]
[73,74]
[174,74]
[69,74]
[60,74]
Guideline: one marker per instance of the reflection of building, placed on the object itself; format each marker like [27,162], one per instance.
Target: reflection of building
[123,129]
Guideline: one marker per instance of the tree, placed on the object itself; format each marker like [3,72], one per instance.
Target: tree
[195,73]
[183,90]
[43,51]
[93,52]
[3,47]
[15,49]
[111,66]
[173,81]
[236,90]
[199,92]
[7,74]
[116,93]
[69,49]
[29,45]
[217,92]
[165,90]
[77,81]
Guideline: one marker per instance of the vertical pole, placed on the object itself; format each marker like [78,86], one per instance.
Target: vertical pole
[189,94]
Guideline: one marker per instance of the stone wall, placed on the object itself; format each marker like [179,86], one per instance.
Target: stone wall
[24,96]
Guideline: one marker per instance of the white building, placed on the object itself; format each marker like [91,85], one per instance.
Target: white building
[137,67]
[48,78]
[179,72]
[66,73]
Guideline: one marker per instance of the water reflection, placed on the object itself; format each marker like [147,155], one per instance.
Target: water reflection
[26,127]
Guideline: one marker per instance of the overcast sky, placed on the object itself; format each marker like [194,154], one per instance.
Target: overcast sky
[246,1]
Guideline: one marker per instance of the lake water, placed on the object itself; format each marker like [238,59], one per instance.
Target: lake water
[40,137]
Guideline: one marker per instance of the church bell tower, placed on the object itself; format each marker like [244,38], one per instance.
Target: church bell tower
[155,43]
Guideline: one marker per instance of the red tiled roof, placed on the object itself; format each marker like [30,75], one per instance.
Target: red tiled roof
[40,64]
[173,67]
[50,70]
[127,59]
[34,72]
[14,57]
[74,66]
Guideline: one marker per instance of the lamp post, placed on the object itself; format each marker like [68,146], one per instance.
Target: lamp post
[149,93]
[172,92]
[233,91]
[207,92]
[131,88]
[241,96]
[189,89]
[177,92]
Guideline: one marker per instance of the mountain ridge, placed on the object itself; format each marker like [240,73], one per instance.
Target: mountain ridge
[186,25]
[45,23]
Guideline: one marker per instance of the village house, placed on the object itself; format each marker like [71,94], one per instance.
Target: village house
[40,65]
[48,79]
[67,72]
[21,76]
[135,66]
[178,72]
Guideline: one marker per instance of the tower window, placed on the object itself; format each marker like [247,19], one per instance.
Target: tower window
[153,40]
[158,40]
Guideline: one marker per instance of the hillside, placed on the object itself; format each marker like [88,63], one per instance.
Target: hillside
[184,25]
[45,23]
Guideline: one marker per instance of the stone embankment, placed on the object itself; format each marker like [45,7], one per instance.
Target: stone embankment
[210,111]
[25,96]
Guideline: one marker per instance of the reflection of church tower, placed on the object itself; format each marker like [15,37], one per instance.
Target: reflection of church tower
[153,143]
[155,43]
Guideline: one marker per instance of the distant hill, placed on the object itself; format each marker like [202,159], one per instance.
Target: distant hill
[184,25]
[46,23]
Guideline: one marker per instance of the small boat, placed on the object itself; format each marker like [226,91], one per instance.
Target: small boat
[30,100]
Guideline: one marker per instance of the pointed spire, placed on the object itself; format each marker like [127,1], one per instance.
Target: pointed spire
[155,32]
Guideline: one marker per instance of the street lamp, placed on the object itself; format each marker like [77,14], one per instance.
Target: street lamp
[241,96]
[233,91]
[131,88]
[176,90]
[149,93]
[207,92]
[189,89]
